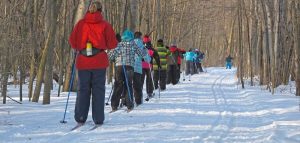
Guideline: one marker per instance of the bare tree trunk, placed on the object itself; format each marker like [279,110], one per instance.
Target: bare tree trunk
[153,20]
[49,63]
[126,9]
[33,36]
[171,34]
[21,69]
[5,76]
[158,20]
[254,36]
[140,15]
[47,48]
[267,48]
[6,52]
[250,49]
[240,38]
[133,14]
[296,23]
[62,47]
[179,32]
[230,39]
[270,20]
[279,41]
[147,18]
[261,56]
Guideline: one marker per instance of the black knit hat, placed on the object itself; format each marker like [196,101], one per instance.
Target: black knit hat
[138,34]
[160,41]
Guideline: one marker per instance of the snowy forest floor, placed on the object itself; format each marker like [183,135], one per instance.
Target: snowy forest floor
[209,108]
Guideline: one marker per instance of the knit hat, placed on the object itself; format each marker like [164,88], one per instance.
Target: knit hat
[137,34]
[160,41]
[146,39]
[127,35]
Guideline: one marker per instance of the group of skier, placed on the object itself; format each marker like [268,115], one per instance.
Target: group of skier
[135,58]
[193,59]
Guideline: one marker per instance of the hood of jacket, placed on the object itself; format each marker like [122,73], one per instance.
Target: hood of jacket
[95,17]
[127,35]
[173,49]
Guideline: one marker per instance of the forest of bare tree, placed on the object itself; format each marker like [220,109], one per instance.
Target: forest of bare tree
[263,36]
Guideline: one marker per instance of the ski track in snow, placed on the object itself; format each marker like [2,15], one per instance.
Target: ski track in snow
[210,108]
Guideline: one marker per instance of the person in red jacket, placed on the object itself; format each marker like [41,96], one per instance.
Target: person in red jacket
[90,37]
[179,61]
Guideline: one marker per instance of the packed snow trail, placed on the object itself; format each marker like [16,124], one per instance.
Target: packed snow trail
[210,108]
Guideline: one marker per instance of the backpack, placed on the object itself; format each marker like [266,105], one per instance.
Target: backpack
[201,56]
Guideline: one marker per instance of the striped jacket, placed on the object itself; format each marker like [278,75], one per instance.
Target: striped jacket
[163,53]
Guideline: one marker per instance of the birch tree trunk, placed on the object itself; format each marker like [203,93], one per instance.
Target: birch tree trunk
[48,47]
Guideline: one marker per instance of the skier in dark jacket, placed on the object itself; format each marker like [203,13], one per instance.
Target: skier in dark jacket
[179,61]
[173,69]
[147,67]
[199,59]
[228,61]
[90,37]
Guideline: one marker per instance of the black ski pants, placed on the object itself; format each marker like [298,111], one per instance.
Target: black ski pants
[172,76]
[137,88]
[90,82]
[123,81]
[149,83]
[160,76]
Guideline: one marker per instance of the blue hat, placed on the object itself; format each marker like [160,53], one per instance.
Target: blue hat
[127,35]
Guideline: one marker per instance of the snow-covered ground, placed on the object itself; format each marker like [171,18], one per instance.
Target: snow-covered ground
[209,108]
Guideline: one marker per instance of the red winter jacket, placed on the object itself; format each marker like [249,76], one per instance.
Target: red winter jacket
[181,51]
[102,36]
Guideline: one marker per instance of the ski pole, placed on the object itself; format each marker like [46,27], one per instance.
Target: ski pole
[183,70]
[158,83]
[126,80]
[109,95]
[13,99]
[70,87]
[151,75]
